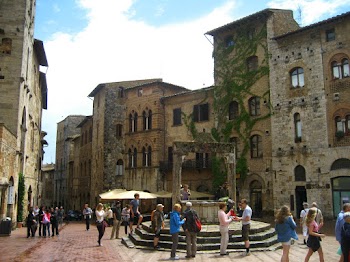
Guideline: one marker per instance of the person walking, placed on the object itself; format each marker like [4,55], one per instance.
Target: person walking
[191,230]
[31,223]
[339,225]
[313,241]
[319,216]
[285,228]
[61,215]
[54,221]
[246,220]
[87,212]
[100,222]
[117,216]
[46,222]
[126,218]
[135,212]
[224,219]
[40,221]
[303,214]
[175,223]
[157,224]
[345,237]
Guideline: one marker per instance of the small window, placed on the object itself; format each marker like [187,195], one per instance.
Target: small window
[330,35]
[119,131]
[297,77]
[139,92]
[252,63]
[254,106]
[256,147]
[119,168]
[297,127]
[177,116]
[202,160]
[229,41]
[201,112]
[233,110]
[147,119]
[299,173]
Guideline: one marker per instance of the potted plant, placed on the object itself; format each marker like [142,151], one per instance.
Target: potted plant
[339,134]
[21,191]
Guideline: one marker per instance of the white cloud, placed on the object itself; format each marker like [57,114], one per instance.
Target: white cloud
[311,10]
[114,47]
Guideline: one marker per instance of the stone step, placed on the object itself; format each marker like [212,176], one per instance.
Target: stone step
[135,240]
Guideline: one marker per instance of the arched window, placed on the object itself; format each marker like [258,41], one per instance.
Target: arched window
[299,173]
[339,124]
[147,156]
[345,67]
[297,127]
[254,106]
[297,77]
[132,158]
[147,119]
[119,168]
[233,110]
[340,70]
[341,163]
[119,131]
[133,122]
[256,147]
[130,123]
[252,63]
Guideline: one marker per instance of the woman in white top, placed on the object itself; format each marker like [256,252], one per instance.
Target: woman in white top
[100,223]
[224,220]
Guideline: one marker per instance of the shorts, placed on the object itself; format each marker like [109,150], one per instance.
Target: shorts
[136,218]
[157,233]
[288,243]
[245,232]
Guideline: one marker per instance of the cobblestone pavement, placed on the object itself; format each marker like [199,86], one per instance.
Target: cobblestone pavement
[76,244]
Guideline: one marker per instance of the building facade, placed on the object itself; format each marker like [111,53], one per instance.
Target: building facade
[23,96]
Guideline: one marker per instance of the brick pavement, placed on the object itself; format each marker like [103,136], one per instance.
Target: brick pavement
[76,244]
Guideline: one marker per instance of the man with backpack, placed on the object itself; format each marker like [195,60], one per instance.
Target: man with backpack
[191,229]
[157,218]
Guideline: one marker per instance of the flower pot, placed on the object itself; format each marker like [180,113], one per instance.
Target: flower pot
[19,224]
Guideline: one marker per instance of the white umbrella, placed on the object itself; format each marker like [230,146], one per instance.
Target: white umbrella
[109,195]
[129,195]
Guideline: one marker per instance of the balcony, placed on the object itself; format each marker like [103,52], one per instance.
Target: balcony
[165,166]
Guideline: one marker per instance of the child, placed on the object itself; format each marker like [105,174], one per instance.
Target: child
[313,242]
[285,228]
[126,218]
[345,237]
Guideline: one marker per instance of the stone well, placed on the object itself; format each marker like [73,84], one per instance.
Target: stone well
[207,210]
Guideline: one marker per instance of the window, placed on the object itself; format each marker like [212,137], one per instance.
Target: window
[119,131]
[252,63]
[256,147]
[347,124]
[202,160]
[299,173]
[254,106]
[235,142]
[119,168]
[233,110]
[340,70]
[330,35]
[339,124]
[139,92]
[147,119]
[146,156]
[132,158]
[229,41]
[297,127]
[133,122]
[297,77]
[201,112]
[177,116]
[120,92]
[6,44]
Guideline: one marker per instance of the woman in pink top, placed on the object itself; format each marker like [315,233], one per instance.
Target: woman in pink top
[313,242]
[224,220]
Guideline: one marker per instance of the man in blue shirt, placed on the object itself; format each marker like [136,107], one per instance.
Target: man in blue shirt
[134,211]
[339,224]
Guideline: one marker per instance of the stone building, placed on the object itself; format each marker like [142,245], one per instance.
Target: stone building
[128,134]
[47,182]
[66,129]
[23,96]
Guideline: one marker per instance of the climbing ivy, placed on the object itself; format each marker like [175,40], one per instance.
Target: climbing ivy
[21,192]
[234,83]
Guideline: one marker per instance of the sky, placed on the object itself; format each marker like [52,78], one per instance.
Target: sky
[88,42]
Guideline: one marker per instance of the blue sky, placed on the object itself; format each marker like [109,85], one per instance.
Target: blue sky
[88,42]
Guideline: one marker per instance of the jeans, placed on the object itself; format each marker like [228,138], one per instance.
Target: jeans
[191,243]
[46,227]
[54,227]
[224,239]
[87,222]
[175,240]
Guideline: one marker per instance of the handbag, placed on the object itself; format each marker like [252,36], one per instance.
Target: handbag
[197,223]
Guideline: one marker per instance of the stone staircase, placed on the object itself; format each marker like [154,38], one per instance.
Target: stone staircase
[262,238]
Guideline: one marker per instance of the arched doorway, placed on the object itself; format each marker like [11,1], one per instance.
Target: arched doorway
[256,198]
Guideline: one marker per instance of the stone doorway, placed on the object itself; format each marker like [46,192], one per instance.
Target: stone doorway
[256,198]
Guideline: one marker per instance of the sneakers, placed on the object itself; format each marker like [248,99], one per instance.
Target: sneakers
[247,253]
[174,258]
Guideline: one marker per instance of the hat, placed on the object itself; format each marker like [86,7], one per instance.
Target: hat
[305,204]
[188,204]
[346,215]
[160,205]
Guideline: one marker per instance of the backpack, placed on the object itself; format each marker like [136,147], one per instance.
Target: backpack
[197,223]
[152,215]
